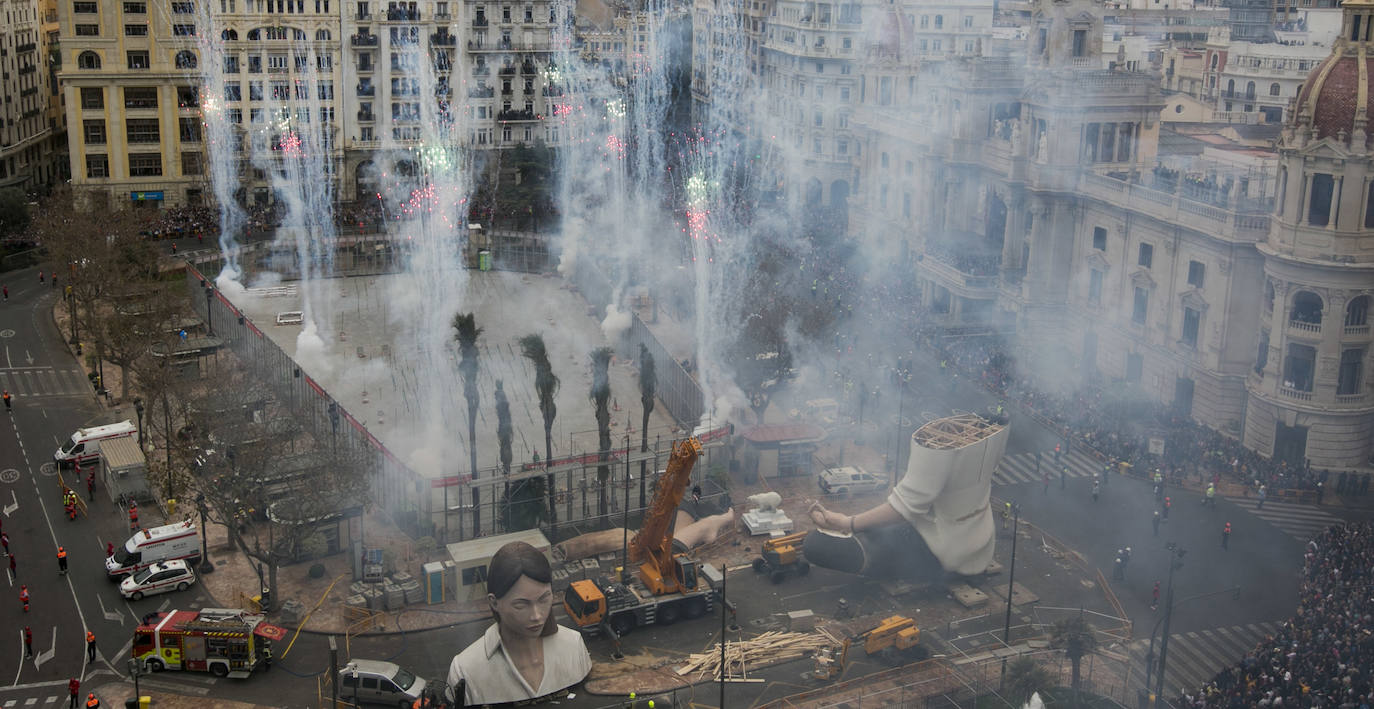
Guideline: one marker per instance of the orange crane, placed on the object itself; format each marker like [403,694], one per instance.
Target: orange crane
[895,640]
[668,585]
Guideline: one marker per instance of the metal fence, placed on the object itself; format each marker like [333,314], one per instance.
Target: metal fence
[442,508]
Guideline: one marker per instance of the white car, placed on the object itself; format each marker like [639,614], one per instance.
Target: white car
[162,577]
[848,479]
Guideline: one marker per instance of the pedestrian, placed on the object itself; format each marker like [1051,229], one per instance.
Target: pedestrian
[28,642]
[1118,571]
[90,646]
[1058,452]
[13,572]
[1154,598]
[1211,497]
[54,280]
[109,550]
[40,276]
[8,405]
[7,292]
[92,702]
[1167,504]
[174,248]
[62,561]
[1155,522]
[5,540]
[1226,536]
[90,486]
[1263,494]
[24,597]
[1096,486]
[1006,517]
[133,516]
[1063,476]
[74,686]
[1319,492]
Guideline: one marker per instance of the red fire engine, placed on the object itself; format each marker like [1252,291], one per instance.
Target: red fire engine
[223,641]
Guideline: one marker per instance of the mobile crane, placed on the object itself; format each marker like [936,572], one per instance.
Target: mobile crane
[895,639]
[668,585]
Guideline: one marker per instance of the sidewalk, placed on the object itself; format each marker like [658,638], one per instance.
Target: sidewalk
[113,694]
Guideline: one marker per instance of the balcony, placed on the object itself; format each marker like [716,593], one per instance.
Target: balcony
[1294,394]
[365,68]
[528,69]
[1357,330]
[968,268]
[1350,399]
[366,116]
[479,22]
[441,39]
[482,92]
[366,90]
[363,40]
[507,92]
[552,91]
[1240,225]
[507,70]
[516,115]
[396,14]
[481,70]
[1304,326]
[26,47]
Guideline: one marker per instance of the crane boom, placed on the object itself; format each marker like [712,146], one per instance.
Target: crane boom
[654,541]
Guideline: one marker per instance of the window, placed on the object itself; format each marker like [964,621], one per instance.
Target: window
[1197,273]
[97,166]
[140,97]
[322,35]
[968,21]
[145,165]
[189,129]
[1095,287]
[138,59]
[1352,367]
[85,8]
[255,91]
[231,65]
[1080,43]
[474,574]
[939,21]
[92,98]
[1135,368]
[1298,367]
[1099,238]
[93,131]
[1141,307]
[1319,207]
[255,64]
[135,8]
[136,31]
[233,92]
[1262,357]
[1275,89]
[183,30]
[186,59]
[1191,318]
[1307,308]
[191,165]
[1147,255]
[88,31]
[1357,312]
[183,8]
[883,159]
[1368,207]
[142,130]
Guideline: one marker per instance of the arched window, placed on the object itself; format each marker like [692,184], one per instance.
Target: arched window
[88,60]
[1214,61]
[1357,313]
[298,35]
[1275,89]
[186,59]
[1230,85]
[1250,89]
[322,35]
[1307,308]
[254,35]
[229,35]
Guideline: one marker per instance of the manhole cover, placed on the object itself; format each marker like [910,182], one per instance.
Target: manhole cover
[9,475]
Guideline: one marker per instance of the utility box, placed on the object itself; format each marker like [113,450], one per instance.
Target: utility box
[124,470]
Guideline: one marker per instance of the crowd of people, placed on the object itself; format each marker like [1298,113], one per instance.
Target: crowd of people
[1322,657]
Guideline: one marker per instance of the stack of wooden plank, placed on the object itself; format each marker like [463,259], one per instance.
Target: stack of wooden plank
[760,651]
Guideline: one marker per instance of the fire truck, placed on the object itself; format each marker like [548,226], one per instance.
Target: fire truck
[225,642]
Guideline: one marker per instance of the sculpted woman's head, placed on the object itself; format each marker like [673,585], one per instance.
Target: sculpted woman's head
[520,590]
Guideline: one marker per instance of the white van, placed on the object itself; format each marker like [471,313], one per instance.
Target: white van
[150,546]
[84,446]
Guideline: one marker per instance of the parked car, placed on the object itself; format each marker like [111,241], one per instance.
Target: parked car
[377,682]
[175,575]
[848,479]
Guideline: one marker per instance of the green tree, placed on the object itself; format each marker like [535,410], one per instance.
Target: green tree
[601,396]
[14,211]
[546,387]
[648,386]
[1075,637]
[504,433]
[1025,677]
[465,334]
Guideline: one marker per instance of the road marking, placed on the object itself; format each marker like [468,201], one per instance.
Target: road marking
[30,701]
[8,363]
[114,615]
[9,475]
[46,655]
[175,687]
[29,357]
[166,603]
[10,508]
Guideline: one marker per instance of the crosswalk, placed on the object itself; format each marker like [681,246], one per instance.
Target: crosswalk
[1300,521]
[43,381]
[1195,658]
[1020,467]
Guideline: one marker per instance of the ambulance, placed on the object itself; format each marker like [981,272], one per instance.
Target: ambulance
[155,544]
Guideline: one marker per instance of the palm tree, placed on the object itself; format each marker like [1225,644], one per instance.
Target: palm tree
[1075,637]
[503,439]
[1025,677]
[601,396]
[648,385]
[546,386]
[465,333]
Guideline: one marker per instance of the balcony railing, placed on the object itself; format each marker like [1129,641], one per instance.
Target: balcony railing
[1304,326]
[26,47]
[367,116]
[1239,224]
[1350,398]
[366,90]
[552,91]
[364,40]
[1295,394]
[399,15]
[443,40]
[1357,330]
[479,22]
[482,92]
[516,115]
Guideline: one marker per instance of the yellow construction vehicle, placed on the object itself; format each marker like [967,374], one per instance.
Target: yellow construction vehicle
[781,556]
[895,640]
[667,585]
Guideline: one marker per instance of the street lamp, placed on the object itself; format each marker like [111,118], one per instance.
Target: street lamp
[1011,579]
[625,532]
[209,314]
[205,566]
[1176,554]
[135,668]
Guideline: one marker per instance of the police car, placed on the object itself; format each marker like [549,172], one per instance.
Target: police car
[161,577]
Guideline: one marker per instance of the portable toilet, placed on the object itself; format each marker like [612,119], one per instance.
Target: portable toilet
[434,582]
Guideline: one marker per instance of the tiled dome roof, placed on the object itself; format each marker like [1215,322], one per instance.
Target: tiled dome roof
[1329,102]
